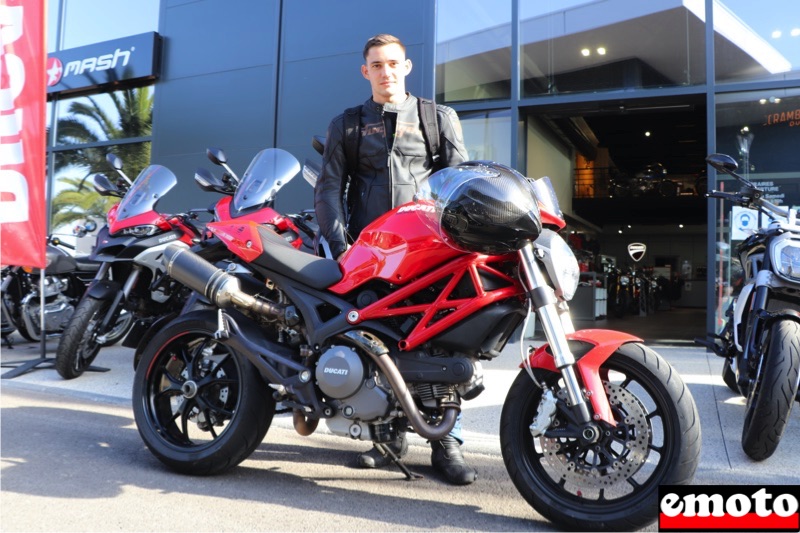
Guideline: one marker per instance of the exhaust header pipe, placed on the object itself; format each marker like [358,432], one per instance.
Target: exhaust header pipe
[221,288]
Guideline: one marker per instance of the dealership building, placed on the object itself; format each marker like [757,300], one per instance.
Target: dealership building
[617,101]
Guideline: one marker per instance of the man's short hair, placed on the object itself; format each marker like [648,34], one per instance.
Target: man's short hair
[382,39]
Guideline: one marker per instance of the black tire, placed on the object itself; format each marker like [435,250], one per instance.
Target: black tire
[668,188]
[174,398]
[613,484]
[773,392]
[729,377]
[78,346]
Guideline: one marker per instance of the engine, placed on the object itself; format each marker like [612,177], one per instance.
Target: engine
[57,309]
[357,395]
[364,402]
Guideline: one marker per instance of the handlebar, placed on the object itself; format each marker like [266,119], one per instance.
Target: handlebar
[55,241]
[757,201]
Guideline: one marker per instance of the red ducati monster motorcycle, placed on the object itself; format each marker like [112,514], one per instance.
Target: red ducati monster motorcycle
[394,337]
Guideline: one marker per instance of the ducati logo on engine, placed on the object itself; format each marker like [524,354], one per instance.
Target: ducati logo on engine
[728,508]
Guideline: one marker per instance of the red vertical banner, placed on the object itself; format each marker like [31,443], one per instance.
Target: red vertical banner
[23,221]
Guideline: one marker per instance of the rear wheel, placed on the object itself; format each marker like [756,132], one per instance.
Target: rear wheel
[78,346]
[611,484]
[773,392]
[201,408]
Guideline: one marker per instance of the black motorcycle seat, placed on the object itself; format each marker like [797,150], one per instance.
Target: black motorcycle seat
[281,257]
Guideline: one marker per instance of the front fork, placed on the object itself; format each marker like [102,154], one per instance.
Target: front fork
[110,319]
[545,304]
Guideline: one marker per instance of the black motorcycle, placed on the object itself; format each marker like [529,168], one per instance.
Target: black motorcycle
[65,281]
[761,339]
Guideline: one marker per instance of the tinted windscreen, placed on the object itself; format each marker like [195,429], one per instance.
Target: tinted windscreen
[150,186]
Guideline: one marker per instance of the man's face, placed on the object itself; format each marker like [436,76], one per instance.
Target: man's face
[386,70]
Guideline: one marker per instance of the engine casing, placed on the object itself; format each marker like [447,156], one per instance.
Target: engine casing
[359,400]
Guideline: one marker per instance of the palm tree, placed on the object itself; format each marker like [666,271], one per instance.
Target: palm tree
[88,122]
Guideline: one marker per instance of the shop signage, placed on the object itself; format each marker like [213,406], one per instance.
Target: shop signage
[637,250]
[85,68]
[791,117]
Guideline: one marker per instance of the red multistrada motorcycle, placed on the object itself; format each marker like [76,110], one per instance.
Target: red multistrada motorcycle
[393,337]
[129,250]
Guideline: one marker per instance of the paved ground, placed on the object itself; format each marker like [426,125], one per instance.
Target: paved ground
[721,413]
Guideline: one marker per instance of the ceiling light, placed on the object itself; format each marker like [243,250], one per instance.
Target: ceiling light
[585,52]
[601,51]
[776,34]
[680,226]
[647,134]
[795,32]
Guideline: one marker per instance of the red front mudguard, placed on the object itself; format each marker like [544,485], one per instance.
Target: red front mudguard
[600,344]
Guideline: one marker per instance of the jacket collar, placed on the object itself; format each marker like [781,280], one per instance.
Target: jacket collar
[405,105]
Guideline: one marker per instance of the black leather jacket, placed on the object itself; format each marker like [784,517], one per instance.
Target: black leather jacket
[383,180]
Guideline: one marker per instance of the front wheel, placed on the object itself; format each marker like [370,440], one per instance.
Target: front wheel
[78,346]
[201,408]
[773,392]
[612,483]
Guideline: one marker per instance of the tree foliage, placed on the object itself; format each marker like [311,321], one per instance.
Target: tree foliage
[128,116]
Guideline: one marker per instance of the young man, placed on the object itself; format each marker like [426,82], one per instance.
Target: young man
[392,157]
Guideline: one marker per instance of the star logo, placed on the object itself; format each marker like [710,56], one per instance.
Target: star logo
[54,71]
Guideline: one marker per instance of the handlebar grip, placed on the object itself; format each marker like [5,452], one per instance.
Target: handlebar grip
[726,196]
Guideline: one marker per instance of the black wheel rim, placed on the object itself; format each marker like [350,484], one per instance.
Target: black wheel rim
[193,389]
[603,478]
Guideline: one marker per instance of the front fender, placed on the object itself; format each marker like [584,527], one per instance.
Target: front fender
[103,289]
[591,348]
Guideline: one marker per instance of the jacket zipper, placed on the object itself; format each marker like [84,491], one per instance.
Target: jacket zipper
[388,157]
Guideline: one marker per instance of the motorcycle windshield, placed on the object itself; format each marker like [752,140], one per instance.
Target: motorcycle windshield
[269,170]
[546,195]
[150,186]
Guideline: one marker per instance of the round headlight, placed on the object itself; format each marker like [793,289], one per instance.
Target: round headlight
[785,255]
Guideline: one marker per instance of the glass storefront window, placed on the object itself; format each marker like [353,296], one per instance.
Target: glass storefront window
[123,114]
[756,40]
[761,130]
[91,21]
[86,129]
[487,135]
[572,46]
[473,53]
